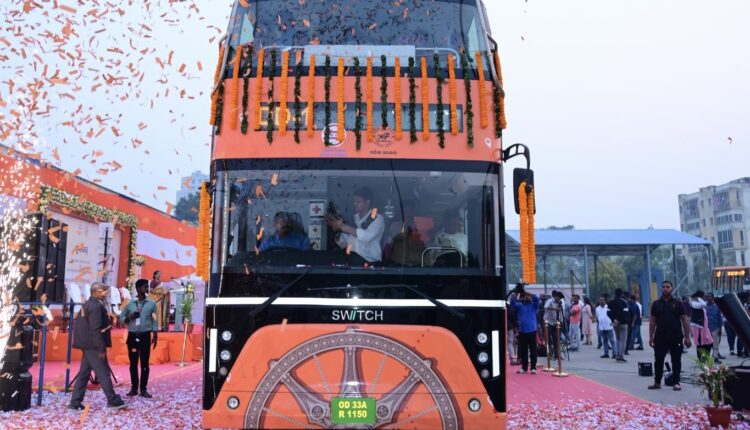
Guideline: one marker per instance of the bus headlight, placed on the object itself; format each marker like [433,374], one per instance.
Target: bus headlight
[475,405]
[226,336]
[483,357]
[233,402]
[484,373]
[482,338]
[225,355]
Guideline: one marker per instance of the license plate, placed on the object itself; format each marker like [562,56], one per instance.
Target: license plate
[353,410]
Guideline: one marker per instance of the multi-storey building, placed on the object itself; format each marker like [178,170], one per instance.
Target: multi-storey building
[191,184]
[720,214]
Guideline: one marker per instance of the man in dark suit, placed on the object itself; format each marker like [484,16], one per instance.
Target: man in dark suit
[92,335]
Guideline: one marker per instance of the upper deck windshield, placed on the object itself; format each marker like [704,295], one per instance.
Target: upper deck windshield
[450,24]
[332,214]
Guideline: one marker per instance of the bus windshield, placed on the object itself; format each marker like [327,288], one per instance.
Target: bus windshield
[359,22]
[361,216]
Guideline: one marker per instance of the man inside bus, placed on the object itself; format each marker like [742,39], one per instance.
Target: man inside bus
[286,236]
[451,238]
[364,236]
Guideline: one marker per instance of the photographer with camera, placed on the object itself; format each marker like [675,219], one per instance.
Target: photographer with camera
[138,314]
[526,306]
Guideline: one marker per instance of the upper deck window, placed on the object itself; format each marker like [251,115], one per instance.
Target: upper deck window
[452,24]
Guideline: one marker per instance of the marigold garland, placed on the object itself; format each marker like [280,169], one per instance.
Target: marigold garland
[501,94]
[311,98]
[357,103]
[245,84]
[368,95]
[452,95]
[258,88]
[467,88]
[204,231]
[283,111]
[482,89]
[327,87]
[215,94]
[340,111]
[397,96]
[271,104]
[297,100]
[234,93]
[412,103]
[425,100]
[528,252]
[383,92]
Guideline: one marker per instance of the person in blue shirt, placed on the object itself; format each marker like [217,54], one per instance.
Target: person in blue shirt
[526,306]
[286,236]
[139,315]
[715,321]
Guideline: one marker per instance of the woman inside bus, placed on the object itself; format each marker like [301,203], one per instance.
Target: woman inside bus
[289,234]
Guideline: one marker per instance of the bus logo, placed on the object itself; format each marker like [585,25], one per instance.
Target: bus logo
[356,315]
[333,137]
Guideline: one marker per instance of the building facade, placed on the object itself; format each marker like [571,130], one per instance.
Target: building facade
[191,184]
[721,215]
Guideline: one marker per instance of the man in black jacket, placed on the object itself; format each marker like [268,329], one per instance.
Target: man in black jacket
[92,335]
[620,316]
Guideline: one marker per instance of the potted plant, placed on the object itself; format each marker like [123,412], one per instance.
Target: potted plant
[187,307]
[711,378]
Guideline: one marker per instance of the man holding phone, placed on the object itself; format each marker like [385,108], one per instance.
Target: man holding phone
[139,315]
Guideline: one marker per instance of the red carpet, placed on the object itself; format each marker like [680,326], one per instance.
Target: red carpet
[543,387]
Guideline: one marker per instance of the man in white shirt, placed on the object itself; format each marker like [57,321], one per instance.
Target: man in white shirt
[451,235]
[364,236]
[605,327]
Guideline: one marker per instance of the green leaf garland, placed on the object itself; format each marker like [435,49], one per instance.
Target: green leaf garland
[271,104]
[357,103]
[469,112]
[327,74]
[245,93]
[439,112]
[383,93]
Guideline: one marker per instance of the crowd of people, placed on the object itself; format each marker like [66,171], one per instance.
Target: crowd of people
[674,326]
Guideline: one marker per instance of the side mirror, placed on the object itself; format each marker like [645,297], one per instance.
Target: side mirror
[521,175]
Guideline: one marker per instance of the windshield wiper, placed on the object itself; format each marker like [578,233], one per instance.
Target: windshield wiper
[412,288]
[261,307]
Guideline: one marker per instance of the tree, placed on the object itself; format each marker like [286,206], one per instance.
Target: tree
[611,275]
[187,208]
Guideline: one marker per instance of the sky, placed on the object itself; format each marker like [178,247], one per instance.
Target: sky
[624,105]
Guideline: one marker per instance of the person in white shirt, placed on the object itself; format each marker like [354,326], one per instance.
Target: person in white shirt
[365,235]
[451,236]
[605,327]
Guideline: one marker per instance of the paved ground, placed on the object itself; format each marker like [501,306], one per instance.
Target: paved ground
[624,376]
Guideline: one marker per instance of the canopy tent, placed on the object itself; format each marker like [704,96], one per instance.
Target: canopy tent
[596,243]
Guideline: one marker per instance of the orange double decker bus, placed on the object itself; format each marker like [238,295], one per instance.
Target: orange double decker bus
[357,269]
[730,279]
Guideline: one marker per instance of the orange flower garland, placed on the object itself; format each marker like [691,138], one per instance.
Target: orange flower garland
[204,230]
[528,252]
[258,89]
[283,97]
[340,108]
[215,94]
[311,98]
[482,89]
[503,122]
[368,98]
[425,101]
[397,95]
[530,236]
[233,91]
[452,95]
